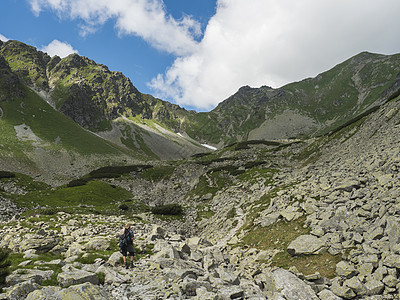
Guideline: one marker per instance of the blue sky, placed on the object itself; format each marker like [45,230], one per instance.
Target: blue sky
[198,53]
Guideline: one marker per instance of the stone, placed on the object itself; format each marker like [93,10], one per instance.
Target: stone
[289,285]
[269,219]
[345,269]
[392,261]
[71,275]
[374,287]
[21,290]
[33,275]
[168,252]
[228,276]
[98,243]
[157,233]
[390,281]
[75,249]
[356,285]
[327,295]
[306,244]
[393,230]
[342,291]
[38,242]
[230,292]
[112,276]
[83,291]
[375,233]
[365,269]
[348,185]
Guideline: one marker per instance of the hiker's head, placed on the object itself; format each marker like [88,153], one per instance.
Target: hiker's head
[127,226]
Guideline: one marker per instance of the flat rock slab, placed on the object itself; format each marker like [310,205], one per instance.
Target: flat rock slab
[289,285]
[306,244]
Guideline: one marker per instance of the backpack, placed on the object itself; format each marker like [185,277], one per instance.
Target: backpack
[125,238]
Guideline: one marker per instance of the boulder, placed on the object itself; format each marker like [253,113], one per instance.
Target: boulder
[33,275]
[306,244]
[114,259]
[80,291]
[38,242]
[327,295]
[289,285]
[230,292]
[45,293]
[342,291]
[98,243]
[228,276]
[112,276]
[356,285]
[374,287]
[345,269]
[21,290]
[71,275]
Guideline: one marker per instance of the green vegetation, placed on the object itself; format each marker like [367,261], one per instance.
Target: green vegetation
[157,173]
[95,196]
[50,126]
[278,237]
[168,210]
[323,263]
[6,174]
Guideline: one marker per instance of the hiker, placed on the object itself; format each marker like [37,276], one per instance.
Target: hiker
[126,244]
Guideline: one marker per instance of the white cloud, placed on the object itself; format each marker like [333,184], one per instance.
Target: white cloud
[61,49]
[3,38]
[145,18]
[276,42]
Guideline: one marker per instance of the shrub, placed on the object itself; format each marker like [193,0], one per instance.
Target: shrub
[4,264]
[77,182]
[102,277]
[117,170]
[167,209]
[123,207]
[6,174]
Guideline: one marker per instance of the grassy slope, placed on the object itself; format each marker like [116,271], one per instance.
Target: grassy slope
[50,125]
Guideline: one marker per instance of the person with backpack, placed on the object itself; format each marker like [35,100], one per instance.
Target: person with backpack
[126,244]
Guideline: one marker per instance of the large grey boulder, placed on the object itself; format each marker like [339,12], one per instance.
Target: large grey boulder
[306,244]
[288,285]
[345,269]
[98,243]
[76,292]
[21,290]
[33,275]
[38,242]
[114,259]
[71,275]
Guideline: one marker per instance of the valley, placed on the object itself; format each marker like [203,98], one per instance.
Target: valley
[311,212]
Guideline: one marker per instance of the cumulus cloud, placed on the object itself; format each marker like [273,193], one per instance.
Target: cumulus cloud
[144,18]
[61,49]
[3,38]
[272,43]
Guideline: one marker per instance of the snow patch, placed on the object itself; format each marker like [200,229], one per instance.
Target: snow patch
[209,147]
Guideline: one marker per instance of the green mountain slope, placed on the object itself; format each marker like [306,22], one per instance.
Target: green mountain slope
[102,101]
[39,140]
[107,102]
[306,108]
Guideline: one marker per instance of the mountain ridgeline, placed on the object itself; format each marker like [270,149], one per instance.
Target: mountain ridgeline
[93,96]
[107,103]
